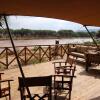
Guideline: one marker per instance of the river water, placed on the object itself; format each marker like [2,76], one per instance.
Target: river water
[7,43]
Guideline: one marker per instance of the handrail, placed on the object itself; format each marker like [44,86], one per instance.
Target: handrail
[25,53]
[33,53]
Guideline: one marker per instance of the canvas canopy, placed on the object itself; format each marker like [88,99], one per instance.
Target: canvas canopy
[86,12]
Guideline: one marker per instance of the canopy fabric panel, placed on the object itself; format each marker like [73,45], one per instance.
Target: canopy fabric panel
[86,12]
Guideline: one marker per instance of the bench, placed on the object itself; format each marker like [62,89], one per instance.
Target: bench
[80,50]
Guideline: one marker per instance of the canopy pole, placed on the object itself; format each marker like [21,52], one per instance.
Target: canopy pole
[19,64]
[91,36]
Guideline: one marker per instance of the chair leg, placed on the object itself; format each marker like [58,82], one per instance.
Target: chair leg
[5,97]
[69,95]
[9,90]
[55,96]
[21,95]
[9,95]
[22,91]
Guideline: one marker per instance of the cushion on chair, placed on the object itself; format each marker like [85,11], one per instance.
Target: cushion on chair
[76,54]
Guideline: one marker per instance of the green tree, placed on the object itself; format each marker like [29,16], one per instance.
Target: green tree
[98,34]
[66,33]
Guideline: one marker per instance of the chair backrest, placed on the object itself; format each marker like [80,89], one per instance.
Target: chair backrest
[69,71]
[63,83]
[63,79]
[0,82]
[36,81]
[71,61]
[65,67]
[5,91]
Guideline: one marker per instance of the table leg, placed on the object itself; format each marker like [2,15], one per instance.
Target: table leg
[88,64]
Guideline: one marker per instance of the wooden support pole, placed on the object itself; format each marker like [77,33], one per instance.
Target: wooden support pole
[15,52]
[91,37]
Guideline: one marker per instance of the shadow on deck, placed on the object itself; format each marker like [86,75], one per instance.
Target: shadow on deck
[96,98]
[86,85]
[92,72]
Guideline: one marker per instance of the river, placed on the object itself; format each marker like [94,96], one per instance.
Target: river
[7,43]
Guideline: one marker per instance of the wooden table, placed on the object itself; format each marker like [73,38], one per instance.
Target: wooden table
[92,57]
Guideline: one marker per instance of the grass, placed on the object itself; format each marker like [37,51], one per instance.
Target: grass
[2,67]
[92,43]
[36,61]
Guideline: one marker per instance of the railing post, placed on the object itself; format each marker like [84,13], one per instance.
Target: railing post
[74,45]
[50,53]
[25,48]
[6,48]
[56,51]
[68,49]
[39,53]
[61,51]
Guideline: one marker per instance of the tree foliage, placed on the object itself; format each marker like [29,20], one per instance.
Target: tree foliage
[98,34]
[30,34]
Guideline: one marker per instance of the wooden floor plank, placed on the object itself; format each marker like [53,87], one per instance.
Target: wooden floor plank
[86,86]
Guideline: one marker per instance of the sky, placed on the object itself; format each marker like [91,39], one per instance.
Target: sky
[40,23]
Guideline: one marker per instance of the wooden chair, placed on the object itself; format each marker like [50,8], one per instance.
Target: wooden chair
[36,82]
[65,67]
[5,91]
[63,85]
[64,78]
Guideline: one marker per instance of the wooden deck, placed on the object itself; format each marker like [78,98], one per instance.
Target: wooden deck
[86,86]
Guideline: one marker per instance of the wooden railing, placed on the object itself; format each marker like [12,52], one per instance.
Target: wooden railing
[31,54]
